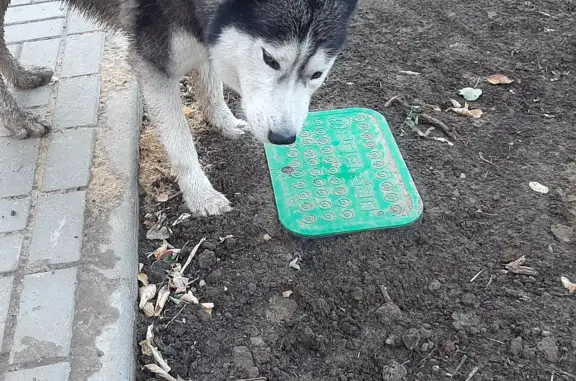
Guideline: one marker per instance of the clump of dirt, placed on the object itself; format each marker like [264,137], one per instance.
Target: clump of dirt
[454,310]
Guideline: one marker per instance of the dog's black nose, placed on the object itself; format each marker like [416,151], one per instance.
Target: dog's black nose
[280,139]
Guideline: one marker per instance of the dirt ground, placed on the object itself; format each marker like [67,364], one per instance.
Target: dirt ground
[453,310]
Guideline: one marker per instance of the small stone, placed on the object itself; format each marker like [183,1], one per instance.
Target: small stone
[536,330]
[392,340]
[546,333]
[435,368]
[357,293]
[548,347]
[563,233]
[394,372]
[242,358]
[424,347]
[449,347]
[389,313]
[253,372]
[207,259]
[434,285]
[411,338]
[469,299]
[12,213]
[425,333]
[252,287]
[465,320]
[209,245]
[516,346]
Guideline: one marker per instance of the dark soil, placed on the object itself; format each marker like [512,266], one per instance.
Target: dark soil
[479,215]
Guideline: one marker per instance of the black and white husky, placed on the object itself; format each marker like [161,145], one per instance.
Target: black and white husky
[274,53]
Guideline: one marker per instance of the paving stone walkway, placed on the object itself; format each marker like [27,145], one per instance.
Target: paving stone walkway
[68,205]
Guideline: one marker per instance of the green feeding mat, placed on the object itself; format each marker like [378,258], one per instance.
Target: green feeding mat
[344,174]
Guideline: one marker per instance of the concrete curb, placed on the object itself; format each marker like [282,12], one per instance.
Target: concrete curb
[103,341]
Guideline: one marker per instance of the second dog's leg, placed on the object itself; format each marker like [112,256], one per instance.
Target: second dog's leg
[21,124]
[162,98]
[212,104]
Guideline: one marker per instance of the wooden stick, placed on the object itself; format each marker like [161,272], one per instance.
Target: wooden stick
[427,118]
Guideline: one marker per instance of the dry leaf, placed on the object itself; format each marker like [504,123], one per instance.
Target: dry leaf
[140,267]
[146,293]
[158,231]
[568,285]
[222,239]
[207,307]
[143,278]
[160,372]
[182,217]
[455,103]
[147,224]
[517,268]
[149,349]
[162,197]
[537,187]
[163,295]
[499,79]
[166,250]
[148,309]
[294,264]
[178,282]
[287,294]
[189,298]
[465,111]
[192,254]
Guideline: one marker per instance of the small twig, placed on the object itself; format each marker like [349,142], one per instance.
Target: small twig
[428,355]
[485,160]
[385,294]
[563,372]
[174,318]
[476,276]
[473,372]
[192,254]
[253,379]
[430,119]
[458,367]
[497,341]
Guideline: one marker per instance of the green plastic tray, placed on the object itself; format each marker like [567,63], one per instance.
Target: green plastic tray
[344,174]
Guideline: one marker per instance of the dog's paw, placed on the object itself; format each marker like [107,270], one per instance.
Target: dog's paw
[33,77]
[208,202]
[24,125]
[229,126]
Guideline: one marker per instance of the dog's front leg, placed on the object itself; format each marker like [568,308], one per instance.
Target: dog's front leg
[162,99]
[211,101]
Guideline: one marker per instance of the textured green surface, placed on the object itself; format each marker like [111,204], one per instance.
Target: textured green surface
[344,174]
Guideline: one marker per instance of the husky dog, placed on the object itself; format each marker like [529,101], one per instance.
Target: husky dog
[274,53]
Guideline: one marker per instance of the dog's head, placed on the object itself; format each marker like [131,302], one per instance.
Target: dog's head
[275,54]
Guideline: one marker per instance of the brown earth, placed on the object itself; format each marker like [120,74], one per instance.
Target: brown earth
[479,215]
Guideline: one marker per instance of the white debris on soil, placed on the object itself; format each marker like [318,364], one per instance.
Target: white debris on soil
[537,187]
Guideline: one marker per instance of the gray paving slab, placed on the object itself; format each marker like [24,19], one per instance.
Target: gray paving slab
[67,276]
[54,372]
[77,102]
[57,233]
[44,323]
[82,54]
[69,160]
[10,248]
[17,166]
[33,31]
[40,53]
[34,12]
[14,214]
[5,291]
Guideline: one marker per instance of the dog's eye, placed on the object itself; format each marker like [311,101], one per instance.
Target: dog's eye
[316,75]
[270,61]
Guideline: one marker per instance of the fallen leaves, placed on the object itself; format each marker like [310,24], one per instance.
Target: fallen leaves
[146,293]
[165,251]
[516,267]
[571,287]
[149,349]
[464,110]
[499,79]
[294,263]
[158,231]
